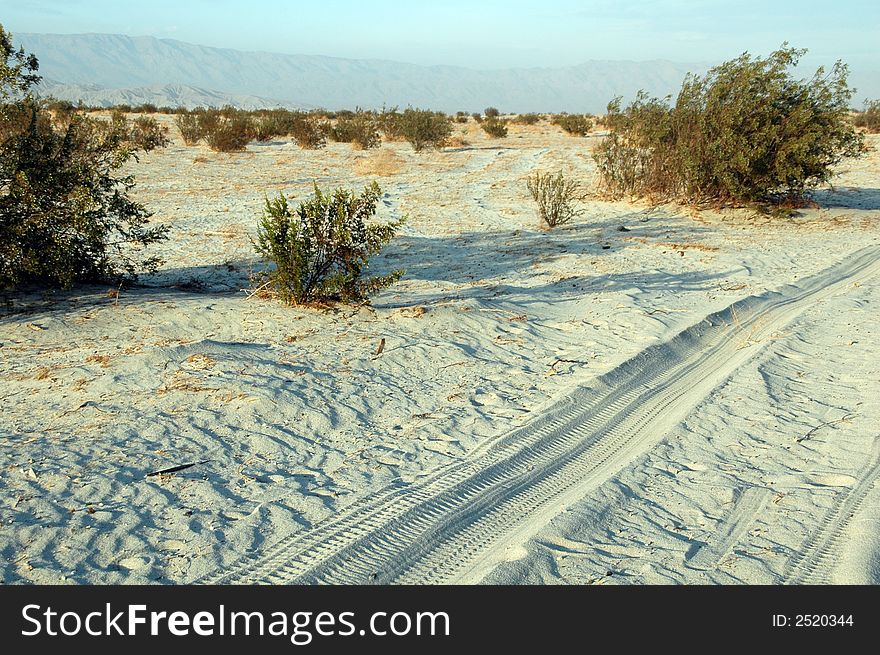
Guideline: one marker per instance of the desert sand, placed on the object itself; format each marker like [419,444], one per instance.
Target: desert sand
[646,395]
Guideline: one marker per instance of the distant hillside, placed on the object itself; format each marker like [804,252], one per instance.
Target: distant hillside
[106,68]
[169,95]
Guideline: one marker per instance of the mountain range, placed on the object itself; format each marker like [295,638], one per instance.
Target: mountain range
[104,69]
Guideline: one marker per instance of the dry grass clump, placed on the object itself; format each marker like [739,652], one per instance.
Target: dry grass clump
[556,196]
[381,163]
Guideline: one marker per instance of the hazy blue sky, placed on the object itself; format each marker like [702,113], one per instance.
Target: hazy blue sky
[481,33]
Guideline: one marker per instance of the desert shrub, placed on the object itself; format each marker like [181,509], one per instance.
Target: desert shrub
[389,124]
[65,213]
[527,119]
[495,128]
[869,117]
[145,108]
[190,128]
[477,117]
[746,132]
[361,130]
[146,134]
[322,249]
[225,132]
[309,132]
[461,117]
[574,124]
[491,112]
[266,127]
[556,196]
[423,128]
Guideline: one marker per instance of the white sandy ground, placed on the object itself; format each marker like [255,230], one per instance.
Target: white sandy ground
[293,418]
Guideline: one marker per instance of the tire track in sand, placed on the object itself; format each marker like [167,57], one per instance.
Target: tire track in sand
[813,563]
[457,524]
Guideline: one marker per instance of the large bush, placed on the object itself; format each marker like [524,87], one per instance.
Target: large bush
[745,132]
[227,129]
[574,124]
[422,128]
[65,214]
[495,128]
[322,249]
[361,130]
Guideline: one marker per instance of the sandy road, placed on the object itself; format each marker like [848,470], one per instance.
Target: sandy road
[457,524]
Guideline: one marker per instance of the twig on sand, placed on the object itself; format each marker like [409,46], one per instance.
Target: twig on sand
[380,348]
[175,469]
[552,369]
[822,425]
[254,292]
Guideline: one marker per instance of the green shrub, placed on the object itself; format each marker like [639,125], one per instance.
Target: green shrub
[574,124]
[423,128]
[527,119]
[65,214]
[361,130]
[146,134]
[310,134]
[495,128]
[267,127]
[190,128]
[491,112]
[322,249]
[869,117]
[225,132]
[744,133]
[477,117]
[556,197]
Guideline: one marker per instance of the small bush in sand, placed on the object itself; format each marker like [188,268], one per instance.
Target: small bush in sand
[322,249]
[556,197]
[189,127]
[495,128]
[745,133]
[424,128]
[226,129]
[362,131]
[477,117]
[461,117]
[146,134]
[527,119]
[65,214]
[574,124]
[491,112]
[869,117]
[267,127]
[310,133]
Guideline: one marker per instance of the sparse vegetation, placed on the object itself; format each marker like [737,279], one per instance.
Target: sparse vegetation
[309,132]
[226,131]
[65,213]
[495,128]
[322,249]
[869,117]
[423,128]
[491,112]
[146,134]
[527,119]
[574,124]
[190,128]
[557,197]
[361,130]
[744,133]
